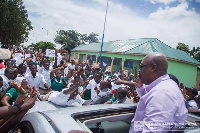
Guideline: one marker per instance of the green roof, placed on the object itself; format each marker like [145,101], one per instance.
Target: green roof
[138,46]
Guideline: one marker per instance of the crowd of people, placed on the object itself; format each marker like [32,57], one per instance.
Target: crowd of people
[37,77]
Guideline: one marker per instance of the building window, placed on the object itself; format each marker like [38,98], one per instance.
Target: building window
[91,59]
[128,63]
[106,60]
[116,61]
[75,56]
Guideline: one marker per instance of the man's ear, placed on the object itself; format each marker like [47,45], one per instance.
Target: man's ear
[154,67]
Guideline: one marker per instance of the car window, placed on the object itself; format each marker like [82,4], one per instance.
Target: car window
[24,127]
[107,121]
[110,127]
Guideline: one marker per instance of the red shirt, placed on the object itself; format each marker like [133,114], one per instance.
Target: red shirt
[2,66]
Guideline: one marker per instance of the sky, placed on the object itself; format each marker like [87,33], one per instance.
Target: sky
[171,21]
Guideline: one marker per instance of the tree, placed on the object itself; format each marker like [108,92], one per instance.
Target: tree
[14,22]
[183,47]
[195,52]
[83,38]
[71,39]
[43,45]
[93,38]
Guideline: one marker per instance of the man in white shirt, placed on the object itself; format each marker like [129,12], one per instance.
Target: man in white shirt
[36,79]
[75,81]
[59,58]
[66,97]
[104,95]
[19,58]
[7,78]
[93,84]
[72,65]
[45,71]
[161,107]
[30,63]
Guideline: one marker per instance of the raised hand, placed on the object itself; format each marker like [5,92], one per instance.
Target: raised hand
[14,84]
[29,101]
[138,82]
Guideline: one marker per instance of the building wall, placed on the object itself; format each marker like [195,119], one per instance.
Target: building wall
[197,84]
[186,73]
[136,59]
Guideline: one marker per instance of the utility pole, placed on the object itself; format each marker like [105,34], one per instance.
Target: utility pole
[46,38]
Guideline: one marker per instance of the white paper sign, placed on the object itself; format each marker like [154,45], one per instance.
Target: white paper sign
[50,53]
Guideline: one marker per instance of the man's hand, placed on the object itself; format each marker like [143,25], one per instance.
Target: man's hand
[21,90]
[62,68]
[29,100]
[14,84]
[138,82]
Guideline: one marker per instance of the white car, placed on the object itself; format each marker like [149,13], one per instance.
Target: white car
[46,117]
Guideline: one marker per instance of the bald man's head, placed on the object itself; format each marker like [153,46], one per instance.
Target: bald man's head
[152,67]
[159,59]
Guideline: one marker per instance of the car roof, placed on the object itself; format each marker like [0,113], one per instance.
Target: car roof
[44,106]
[62,117]
[48,117]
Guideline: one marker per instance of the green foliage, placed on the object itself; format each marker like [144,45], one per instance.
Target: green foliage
[93,38]
[195,52]
[41,45]
[14,23]
[183,47]
[71,39]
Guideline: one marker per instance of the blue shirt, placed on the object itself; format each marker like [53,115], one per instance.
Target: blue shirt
[161,106]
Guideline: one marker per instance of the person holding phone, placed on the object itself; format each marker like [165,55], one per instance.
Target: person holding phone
[161,106]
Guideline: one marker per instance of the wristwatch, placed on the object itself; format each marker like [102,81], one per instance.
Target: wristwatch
[18,105]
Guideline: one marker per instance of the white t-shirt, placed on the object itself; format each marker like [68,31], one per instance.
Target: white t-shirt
[5,83]
[19,58]
[61,99]
[71,66]
[115,86]
[66,71]
[59,58]
[70,79]
[2,71]
[37,81]
[92,84]
[193,104]
[46,74]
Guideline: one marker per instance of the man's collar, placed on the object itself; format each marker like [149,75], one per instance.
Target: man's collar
[6,78]
[157,81]
[35,75]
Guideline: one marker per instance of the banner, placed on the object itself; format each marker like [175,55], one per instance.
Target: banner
[50,53]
